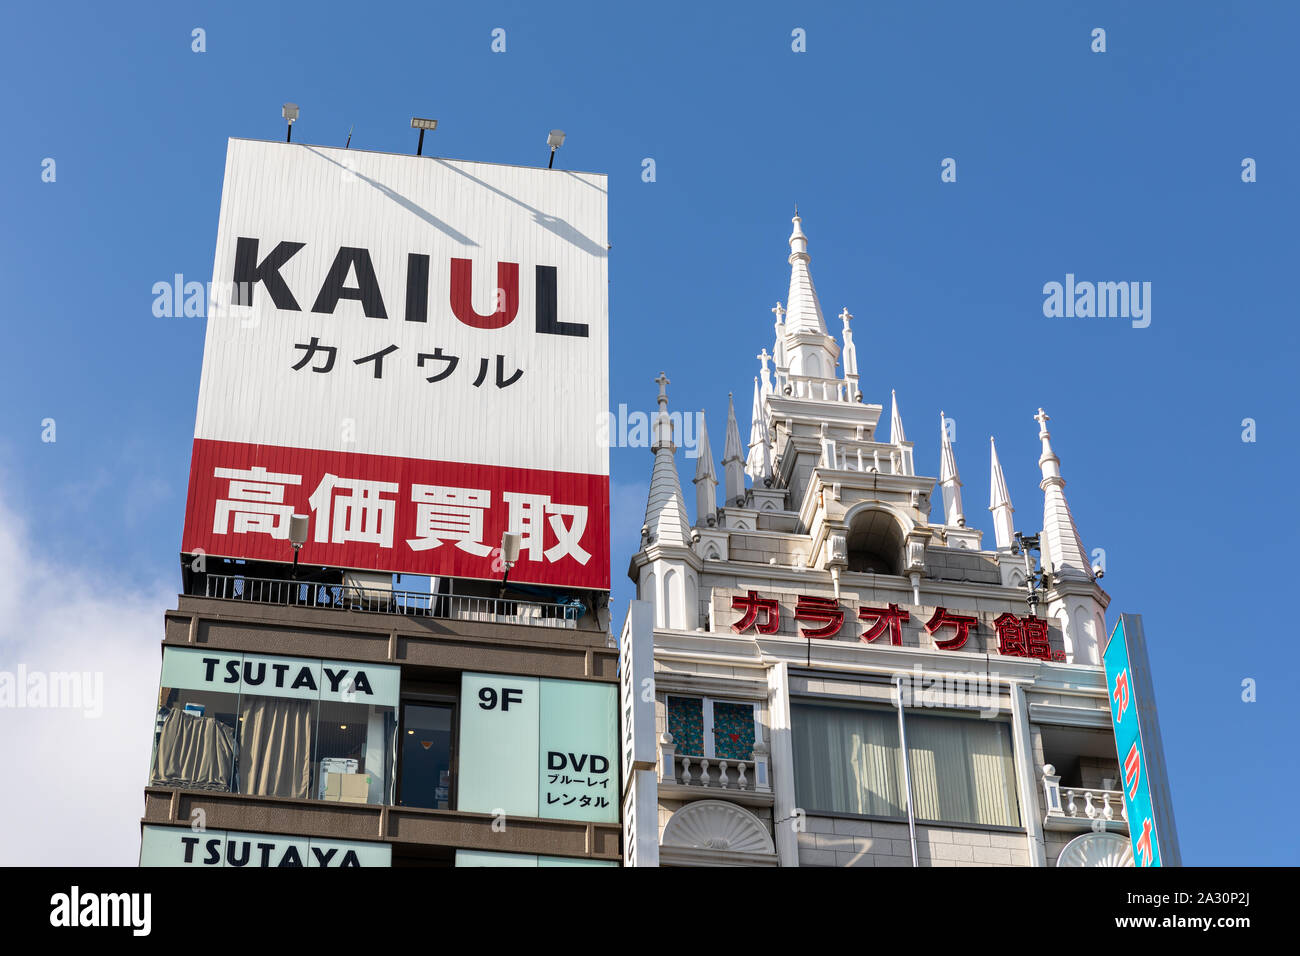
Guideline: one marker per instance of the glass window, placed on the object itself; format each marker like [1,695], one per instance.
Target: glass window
[733,730]
[426,756]
[846,761]
[275,726]
[276,737]
[197,723]
[354,752]
[703,727]
[686,724]
[194,740]
[963,770]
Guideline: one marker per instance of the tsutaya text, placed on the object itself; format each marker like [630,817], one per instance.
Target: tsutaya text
[418,517]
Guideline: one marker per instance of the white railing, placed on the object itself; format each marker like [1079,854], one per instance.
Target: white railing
[866,457]
[812,388]
[714,773]
[1089,804]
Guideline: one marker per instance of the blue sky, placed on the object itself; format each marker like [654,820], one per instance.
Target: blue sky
[1123,165]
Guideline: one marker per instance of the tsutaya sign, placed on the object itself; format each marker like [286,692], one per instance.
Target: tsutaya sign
[1138,746]
[181,846]
[413,353]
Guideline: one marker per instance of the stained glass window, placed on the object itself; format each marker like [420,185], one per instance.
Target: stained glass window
[686,724]
[733,730]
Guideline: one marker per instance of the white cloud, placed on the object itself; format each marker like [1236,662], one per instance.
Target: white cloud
[74,784]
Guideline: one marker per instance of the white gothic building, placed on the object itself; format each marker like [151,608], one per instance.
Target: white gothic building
[787,621]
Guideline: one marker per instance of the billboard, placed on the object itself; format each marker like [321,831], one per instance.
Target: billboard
[413,352]
[538,747]
[1138,746]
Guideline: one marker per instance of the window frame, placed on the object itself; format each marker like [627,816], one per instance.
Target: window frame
[708,730]
[451,701]
[1013,781]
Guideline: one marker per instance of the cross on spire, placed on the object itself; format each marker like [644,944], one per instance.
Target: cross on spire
[778,311]
[1042,418]
[764,358]
[845,315]
[663,383]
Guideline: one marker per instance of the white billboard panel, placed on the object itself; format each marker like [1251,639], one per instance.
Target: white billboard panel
[414,353]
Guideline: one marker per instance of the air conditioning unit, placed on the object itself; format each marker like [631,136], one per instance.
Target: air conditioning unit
[368,588]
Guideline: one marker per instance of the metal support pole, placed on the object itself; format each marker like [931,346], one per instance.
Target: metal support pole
[907,770]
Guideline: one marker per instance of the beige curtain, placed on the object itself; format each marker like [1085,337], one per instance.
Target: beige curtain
[963,770]
[275,754]
[194,753]
[846,760]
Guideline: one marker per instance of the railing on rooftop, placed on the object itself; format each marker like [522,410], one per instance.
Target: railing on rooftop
[850,455]
[346,597]
[815,388]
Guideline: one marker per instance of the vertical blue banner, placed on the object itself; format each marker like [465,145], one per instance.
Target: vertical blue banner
[1121,686]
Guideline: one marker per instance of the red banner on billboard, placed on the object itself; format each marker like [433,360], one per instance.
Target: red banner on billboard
[407,515]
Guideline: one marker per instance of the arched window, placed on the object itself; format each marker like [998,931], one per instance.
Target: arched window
[673,600]
[875,541]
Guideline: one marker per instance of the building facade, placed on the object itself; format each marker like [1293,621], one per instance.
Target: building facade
[392,642]
[789,646]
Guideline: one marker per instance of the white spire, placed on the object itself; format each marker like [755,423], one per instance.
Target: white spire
[803,313]
[759,463]
[767,375]
[665,510]
[850,354]
[733,458]
[1004,528]
[950,480]
[706,481]
[896,436]
[1061,547]
[778,347]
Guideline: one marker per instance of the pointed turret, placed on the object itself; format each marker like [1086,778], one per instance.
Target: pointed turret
[953,516]
[808,349]
[665,512]
[778,347]
[1062,548]
[803,311]
[759,463]
[706,482]
[849,355]
[896,436]
[1004,528]
[733,459]
[767,375]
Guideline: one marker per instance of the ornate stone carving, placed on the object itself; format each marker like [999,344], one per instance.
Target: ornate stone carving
[1097,849]
[717,825]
